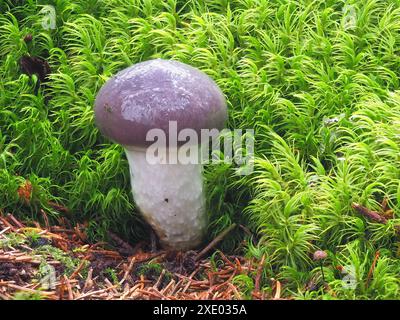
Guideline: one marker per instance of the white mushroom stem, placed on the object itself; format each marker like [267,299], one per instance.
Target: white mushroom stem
[171,199]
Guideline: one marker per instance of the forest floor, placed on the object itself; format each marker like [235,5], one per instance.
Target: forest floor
[58,263]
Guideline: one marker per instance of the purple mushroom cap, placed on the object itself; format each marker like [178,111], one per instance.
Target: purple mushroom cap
[149,94]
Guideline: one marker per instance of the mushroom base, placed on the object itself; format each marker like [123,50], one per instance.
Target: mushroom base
[170,197]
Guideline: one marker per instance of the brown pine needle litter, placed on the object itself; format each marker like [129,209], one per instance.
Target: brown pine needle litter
[101,272]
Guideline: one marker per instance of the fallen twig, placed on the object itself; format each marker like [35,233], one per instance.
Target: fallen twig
[371,270]
[128,270]
[88,283]
[259,273]
[126,247]
[46,219]
[86,295]
[215,241]
[159,279]
[58,207]
[373,215]
[77,270]
[277,290]
[15,220]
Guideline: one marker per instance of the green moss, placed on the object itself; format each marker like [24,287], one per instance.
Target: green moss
[70,263]
[245,285]
[153,269]
[11,240]
[109,272]
[23,295]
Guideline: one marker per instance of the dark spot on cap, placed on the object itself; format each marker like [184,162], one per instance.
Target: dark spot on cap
[107,108]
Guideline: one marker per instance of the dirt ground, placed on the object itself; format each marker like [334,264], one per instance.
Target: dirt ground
[58,263]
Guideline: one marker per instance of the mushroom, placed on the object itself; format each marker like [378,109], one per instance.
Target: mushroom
[152,95]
